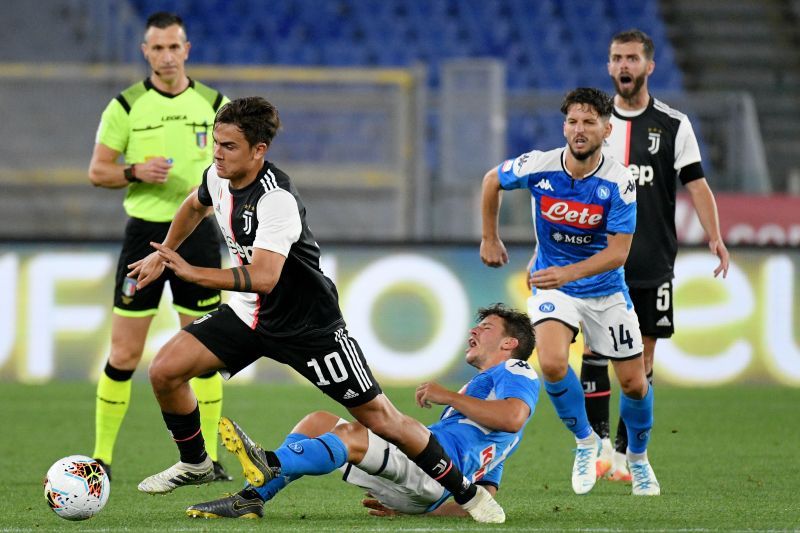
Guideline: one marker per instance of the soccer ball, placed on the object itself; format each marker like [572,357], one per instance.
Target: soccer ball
[76,487]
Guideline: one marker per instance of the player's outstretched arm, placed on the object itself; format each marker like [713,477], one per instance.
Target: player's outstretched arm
[493,251]
[706,207]
[508,414]
[189,215]
[260,276]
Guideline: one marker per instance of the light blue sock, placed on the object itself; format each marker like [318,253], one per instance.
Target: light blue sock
[313,457]
[567,398]
[275,485]
[638,417]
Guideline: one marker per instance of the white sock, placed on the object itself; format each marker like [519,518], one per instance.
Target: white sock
[637,457]
[588,441]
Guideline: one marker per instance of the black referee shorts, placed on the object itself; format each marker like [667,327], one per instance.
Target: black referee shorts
[332,361]
[201,248]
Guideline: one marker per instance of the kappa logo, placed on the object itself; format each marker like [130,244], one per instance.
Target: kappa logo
[521,160]
[544,184]
[631,187]
[350,394]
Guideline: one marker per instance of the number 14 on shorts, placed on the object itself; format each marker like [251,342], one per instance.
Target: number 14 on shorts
[621,335]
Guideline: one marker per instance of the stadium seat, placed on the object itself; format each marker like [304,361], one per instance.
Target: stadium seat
[546,44]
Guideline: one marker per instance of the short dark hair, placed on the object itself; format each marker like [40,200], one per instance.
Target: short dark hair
[634,35]
[163,19]
[257,118]
[515,324]
[600,101]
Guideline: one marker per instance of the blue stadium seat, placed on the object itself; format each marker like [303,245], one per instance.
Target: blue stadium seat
[546,44]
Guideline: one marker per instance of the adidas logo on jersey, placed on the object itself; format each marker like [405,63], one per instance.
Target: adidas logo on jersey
[544,183]
[664,322]
[349,395]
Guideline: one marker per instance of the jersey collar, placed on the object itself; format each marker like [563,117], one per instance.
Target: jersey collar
[590,174]
[150,87]
[626,114]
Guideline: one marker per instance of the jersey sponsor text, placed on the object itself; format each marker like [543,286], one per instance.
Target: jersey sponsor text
[575,214]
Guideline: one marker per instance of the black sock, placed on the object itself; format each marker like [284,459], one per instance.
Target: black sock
[185,430]
[621,441]
[116,374]
[435,462]
[596,392]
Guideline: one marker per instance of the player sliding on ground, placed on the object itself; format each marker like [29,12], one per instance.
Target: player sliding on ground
[480,428]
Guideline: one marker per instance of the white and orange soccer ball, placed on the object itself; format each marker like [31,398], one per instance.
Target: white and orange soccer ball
[76,487]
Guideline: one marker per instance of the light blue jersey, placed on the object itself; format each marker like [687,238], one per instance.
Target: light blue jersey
[572,218]
[478,451]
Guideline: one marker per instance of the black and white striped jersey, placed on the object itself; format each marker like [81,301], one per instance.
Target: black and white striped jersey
[269,214]
[659,147]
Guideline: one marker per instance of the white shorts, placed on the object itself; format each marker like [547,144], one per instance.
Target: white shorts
[610,325]
[396,481]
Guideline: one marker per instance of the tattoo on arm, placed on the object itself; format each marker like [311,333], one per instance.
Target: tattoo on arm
[237,284]
[243,283]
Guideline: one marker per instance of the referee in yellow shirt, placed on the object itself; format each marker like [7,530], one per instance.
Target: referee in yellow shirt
[163,127]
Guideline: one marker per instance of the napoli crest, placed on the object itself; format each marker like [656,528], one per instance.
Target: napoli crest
[547,307]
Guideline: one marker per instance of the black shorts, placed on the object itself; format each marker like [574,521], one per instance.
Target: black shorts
[332,361]
[653,306]
[201,248]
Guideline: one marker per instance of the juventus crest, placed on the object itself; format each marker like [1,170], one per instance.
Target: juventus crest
[654,139]
[248,222]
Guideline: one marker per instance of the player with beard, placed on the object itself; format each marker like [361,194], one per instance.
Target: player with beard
[658,145]
[584,209]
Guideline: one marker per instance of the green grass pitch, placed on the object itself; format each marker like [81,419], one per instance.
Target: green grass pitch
[727,459]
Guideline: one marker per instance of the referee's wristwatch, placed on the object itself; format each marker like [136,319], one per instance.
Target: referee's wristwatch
[130,174]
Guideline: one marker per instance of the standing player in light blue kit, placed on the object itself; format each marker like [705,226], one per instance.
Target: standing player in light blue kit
[584,211]
[480,428]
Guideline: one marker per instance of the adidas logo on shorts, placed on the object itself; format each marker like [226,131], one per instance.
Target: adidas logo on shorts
[349,395]
[664,322]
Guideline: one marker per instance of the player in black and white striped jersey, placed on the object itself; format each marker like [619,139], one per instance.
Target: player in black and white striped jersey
[282,307]
[658,145]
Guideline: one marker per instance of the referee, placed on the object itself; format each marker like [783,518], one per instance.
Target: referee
[658,145]
[162,126]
